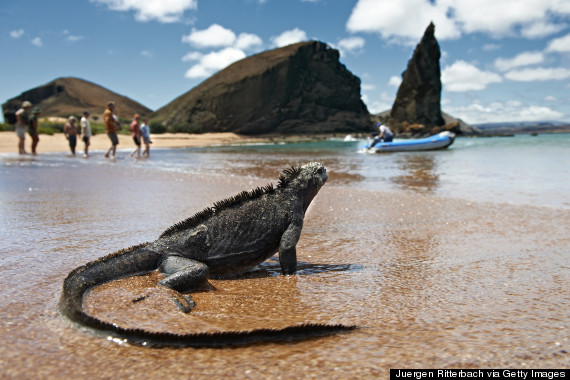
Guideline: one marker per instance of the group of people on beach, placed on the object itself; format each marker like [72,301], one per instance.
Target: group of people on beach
[112,126]
[26,119]
[71,131]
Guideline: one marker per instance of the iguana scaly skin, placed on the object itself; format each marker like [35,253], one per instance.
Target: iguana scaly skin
[229,238]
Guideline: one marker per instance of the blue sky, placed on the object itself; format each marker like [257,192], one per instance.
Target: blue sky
[502,60]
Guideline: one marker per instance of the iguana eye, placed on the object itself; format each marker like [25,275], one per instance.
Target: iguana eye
[320,171]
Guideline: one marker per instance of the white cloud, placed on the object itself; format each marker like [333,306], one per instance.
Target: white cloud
[382,103]
[522,59]
[212,62]
[500,18]
[550,98]
[70,37]
[17,33]
[214,36]
[246,41]
[462,76]
[510,111]
[376,106]
[538,113]
[367,87]
[289,37]
[538,74]
[146,54]
[402,19]
[405,20]
[559,45]
[192,56]
[350,45]
[395,81]
[198,71]
[74,38]
[146,10]
[541,29]
[37,42]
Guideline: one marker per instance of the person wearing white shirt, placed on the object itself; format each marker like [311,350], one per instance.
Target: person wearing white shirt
[86,132]
[384,134]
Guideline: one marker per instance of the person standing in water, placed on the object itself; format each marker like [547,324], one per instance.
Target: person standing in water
[86,132]
[145,133]
[33,129]
[112,127]
[22,121]
[70,130]
[136,133]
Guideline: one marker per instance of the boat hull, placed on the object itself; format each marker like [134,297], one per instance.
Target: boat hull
[440,141]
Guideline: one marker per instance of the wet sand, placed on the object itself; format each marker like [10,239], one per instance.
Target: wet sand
[431,282]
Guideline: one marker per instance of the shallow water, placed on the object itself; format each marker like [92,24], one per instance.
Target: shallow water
[432,280]
[516,170]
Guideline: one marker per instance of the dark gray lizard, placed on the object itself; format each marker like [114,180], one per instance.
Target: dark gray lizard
[229,238]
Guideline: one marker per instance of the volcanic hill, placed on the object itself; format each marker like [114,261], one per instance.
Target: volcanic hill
[71,96]
[297,89]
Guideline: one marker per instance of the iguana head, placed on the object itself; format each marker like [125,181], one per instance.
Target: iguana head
[314,173]
[308,180]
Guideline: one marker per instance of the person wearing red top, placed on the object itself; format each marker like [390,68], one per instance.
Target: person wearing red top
[136,132]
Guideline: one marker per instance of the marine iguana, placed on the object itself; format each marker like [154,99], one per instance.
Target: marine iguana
[229,238]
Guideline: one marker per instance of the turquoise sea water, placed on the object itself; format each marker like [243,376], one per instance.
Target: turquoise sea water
[521,170]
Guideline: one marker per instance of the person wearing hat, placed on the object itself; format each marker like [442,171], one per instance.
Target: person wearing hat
[22,120]
[33,129]
[70,130]
[384,134]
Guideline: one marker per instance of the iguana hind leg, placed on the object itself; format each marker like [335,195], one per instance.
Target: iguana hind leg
[182,274]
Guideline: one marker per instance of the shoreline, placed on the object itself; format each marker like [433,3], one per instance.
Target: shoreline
[57,143]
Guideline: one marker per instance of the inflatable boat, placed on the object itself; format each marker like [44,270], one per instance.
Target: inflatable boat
[440,141]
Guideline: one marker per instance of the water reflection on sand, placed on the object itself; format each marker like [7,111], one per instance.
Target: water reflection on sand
[420,173]
[431,281]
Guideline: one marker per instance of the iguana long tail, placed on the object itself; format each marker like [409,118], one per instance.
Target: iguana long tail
[139,259]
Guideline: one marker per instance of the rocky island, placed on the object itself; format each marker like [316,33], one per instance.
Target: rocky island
[416,112]
[298,89]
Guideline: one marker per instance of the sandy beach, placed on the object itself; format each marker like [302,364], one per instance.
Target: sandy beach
[430,281]
[58,143]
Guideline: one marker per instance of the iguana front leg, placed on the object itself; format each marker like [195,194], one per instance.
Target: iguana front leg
[288,247]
